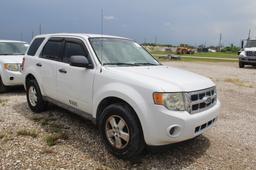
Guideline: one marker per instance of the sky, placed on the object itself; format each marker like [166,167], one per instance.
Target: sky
[162,21]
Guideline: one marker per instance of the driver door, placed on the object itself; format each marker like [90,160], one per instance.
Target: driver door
[75,84]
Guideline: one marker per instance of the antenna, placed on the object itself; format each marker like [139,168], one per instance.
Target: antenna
[101,44]
[32,35]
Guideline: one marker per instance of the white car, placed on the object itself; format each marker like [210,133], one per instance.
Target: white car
[133,99]
[11,54]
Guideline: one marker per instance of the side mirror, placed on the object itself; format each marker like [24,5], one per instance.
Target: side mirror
[80,61]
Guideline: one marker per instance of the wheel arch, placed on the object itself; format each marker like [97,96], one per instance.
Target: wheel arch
[31,76]
[112,100]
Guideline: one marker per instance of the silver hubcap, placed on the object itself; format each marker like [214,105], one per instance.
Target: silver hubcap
[32,96]
[117,132]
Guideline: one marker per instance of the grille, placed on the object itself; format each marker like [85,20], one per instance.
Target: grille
[250,53]
[203,126]
[202,100]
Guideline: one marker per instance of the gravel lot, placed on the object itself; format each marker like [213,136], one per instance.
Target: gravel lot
[25,137]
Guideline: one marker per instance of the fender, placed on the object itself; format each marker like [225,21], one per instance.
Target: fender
[126,93]
[32,71]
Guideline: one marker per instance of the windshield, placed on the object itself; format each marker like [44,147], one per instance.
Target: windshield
[12,48]
[250,43]
[114,51]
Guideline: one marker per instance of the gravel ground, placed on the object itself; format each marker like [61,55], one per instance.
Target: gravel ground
[26,138]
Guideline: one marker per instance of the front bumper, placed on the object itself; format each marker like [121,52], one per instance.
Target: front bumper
[187,126]
[12,78]
[247,60]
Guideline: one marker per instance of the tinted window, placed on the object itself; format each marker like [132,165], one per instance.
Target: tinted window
[71,49]
[34,46]
[52,50]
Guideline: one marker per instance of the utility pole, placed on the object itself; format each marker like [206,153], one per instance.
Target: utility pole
[249,34]
[102,21]
[220,41]
[21,36]
[155,40]
[40,29]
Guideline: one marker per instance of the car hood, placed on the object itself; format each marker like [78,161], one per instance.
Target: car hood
[11,58]
[165,78]
[250,49]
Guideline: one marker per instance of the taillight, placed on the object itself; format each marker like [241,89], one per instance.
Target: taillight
[22,64]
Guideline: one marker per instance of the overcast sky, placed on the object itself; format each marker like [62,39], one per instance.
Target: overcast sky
[168,21]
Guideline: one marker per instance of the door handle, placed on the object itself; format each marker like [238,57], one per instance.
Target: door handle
[39,64]
[62,70]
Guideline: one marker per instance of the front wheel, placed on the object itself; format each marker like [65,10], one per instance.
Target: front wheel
[34,97]
[3,88]
[120,131]
[241,64]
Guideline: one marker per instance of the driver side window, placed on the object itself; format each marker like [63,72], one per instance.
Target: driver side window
[73,48]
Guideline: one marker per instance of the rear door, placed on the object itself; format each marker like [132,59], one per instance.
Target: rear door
[74,84]
[49,57]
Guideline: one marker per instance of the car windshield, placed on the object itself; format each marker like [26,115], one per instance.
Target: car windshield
[121,52]
[250,43]
[13,48]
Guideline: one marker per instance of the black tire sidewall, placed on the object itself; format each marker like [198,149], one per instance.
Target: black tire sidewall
[241,65]
[40,104]
[2,86]
[136,142]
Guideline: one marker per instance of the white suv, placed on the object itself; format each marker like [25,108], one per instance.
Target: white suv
[11,54]
[132,98]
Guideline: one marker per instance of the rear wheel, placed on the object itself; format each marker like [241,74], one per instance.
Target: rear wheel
[3,88]
[34,97]
[241,64]
[120,131]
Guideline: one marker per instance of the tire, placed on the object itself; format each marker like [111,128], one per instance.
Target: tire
[241,64]
[132,141]
[34,97]
[3,88]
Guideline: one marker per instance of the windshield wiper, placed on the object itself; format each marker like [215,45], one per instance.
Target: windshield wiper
[13,54]
[147,64]
[120,64]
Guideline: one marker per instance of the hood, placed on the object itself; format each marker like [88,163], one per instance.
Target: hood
[11,58]
[164,78]
[250,49]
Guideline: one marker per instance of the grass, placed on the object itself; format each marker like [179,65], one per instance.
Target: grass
[193,60]
[238,82]
[209,54]
[217,54]
[25,132]
[52,139]
[3,102]
[6,136]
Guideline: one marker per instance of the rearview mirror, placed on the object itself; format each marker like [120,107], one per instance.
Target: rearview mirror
[80,61]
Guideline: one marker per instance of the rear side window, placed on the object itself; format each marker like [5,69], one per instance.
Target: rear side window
[73,48]
[52,50]
[34,46]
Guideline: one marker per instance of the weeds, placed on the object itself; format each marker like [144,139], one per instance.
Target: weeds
[238,82]
[24,132]
[52,139]
[3,102]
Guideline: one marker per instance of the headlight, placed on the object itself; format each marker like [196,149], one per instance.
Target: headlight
[172,101]
[242,54]
[12,67]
